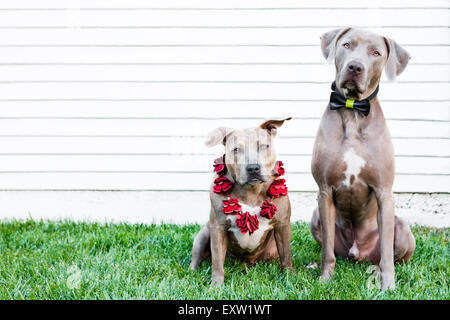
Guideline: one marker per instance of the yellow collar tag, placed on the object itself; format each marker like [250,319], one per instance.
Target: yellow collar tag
[349,103]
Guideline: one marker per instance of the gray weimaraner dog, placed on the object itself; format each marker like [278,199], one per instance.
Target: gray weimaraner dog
[250,159]
[353,158]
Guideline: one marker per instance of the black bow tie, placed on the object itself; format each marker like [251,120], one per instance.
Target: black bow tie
[338,101]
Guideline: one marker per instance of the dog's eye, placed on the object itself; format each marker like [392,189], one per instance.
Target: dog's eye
[376,53]
[346,45]
[263,146]
[235,150]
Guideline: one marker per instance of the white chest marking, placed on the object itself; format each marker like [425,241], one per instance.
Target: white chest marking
[247,241]
[354,165]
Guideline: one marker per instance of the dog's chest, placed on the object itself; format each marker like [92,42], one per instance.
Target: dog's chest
[245,240]
[354,163]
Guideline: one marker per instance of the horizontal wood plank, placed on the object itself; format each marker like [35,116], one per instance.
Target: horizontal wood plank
[138,39]
[151,18]
[176,163]
[180,181]
[230,4]
[188,145]
[190,127]
[287,91]
[255,111]
[196,72]
[275,55]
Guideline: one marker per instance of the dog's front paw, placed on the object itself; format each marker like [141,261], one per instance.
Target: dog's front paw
[289,268]
[326,276]
[383,280]
[387,281]
[217,282]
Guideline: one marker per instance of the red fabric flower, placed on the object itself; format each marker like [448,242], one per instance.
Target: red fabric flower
[247,222]
[231,206]
[222,184]
[268,210]
[278,170]
[278,188]
[219,166]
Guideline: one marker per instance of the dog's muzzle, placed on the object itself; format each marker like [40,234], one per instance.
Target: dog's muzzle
[254,173]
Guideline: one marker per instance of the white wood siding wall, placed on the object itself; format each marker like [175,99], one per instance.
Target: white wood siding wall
[120,94]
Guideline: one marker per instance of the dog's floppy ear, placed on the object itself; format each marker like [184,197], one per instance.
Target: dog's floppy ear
[328,42]
[397,60]
[218,135]
[272,125]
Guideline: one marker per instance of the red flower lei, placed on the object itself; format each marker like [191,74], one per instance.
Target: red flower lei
[245,221]
[231,206]
[268,209]
[219,166]
[278,170]
[277,188]
[222,185]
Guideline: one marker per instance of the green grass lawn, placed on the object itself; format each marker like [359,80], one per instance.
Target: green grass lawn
[93,261]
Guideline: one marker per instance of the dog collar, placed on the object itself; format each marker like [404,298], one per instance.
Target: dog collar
[337,101]
[245,221]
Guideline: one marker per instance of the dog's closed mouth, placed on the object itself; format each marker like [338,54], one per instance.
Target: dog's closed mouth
[353,89]
[254,180]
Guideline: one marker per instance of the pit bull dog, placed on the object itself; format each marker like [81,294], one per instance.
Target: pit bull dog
[353,158]
[250,159]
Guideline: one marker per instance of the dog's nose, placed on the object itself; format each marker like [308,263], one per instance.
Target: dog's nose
[355,68]
[253,169]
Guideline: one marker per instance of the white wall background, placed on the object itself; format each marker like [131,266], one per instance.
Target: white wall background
[120,94]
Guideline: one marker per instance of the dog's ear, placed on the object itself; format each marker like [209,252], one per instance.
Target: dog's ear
[272,125]
[397,60]
[328,42]
[218,135]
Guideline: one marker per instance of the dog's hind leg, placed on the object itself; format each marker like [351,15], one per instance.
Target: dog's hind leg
[201,247]
[404,242]
[315,226]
